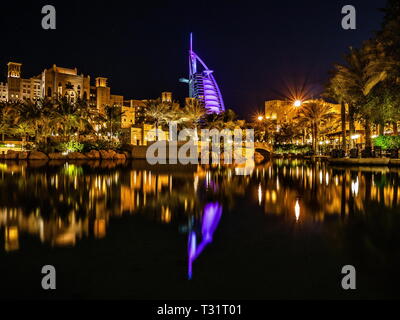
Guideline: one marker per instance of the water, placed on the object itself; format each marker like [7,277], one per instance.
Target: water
[130,230]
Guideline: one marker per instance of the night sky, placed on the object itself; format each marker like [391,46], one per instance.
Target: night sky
[258,50]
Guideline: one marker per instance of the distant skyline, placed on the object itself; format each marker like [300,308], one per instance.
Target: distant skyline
[259,51]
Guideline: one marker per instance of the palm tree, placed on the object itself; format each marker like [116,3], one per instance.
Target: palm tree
[214,121]
[89,115]
[113,115]
[6,119]
[354,80]
[263,129]
[37,114]
[156,111]
[66,117]
[173,115]
[23,130]
[336,91]
[316,114]
[193,112]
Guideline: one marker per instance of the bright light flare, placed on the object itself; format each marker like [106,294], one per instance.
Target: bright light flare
[297,103]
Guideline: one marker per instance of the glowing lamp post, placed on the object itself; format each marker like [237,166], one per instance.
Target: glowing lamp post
[297,103]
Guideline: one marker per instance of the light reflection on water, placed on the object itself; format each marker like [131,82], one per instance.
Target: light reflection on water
[210,220]
[62,204]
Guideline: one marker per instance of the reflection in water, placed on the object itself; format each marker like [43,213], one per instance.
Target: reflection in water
[297,210]
[62,204]
[354,186]
[211,216]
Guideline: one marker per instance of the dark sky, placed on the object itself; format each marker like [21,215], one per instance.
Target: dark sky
[258,50]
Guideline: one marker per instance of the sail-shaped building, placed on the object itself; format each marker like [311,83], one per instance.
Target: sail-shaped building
[202,84]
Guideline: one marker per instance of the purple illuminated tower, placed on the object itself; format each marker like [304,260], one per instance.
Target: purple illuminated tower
[202,84]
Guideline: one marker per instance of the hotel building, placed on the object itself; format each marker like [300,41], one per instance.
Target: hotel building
[55,82]
[59,81]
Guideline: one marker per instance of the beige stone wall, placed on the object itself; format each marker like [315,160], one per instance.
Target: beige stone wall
[30,89]
[116,100]
[128,116]
[135,110]
[166,96]
[102,98]
[279,110]
[145,133]
[56,81]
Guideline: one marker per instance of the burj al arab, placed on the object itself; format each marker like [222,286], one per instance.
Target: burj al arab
[202,84]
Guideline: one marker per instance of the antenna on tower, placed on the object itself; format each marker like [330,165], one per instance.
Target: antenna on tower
[191,41]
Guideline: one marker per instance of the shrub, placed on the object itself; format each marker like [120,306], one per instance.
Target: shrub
[48,147]
[71,146]
[100,145]
[291,148]
[387,142]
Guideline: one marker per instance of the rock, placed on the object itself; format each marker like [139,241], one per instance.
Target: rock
[119,156]
[112,153]
[23,155]
[11,155]
[37,155]
[76,156]
[93,154]
[57,156]
[105,154]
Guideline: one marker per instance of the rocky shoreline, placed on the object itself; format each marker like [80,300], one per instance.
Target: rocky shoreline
[92,155]
[138,153]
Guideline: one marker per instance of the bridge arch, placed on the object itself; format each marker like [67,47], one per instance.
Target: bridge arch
[264,149]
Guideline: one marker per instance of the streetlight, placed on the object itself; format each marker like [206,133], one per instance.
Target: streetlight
[297,103]
[260,118]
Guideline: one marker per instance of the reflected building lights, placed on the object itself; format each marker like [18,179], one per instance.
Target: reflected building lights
[11,238]
[297,210]
[355,186]
[110,194]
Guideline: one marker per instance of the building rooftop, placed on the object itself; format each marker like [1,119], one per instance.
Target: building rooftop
[72,72]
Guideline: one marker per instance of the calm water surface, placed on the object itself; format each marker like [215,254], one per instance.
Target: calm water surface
[130,230]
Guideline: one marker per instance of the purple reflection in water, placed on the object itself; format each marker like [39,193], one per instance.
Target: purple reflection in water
[211,217]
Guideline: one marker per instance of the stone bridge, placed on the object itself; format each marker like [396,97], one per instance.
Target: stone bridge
[265,149]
